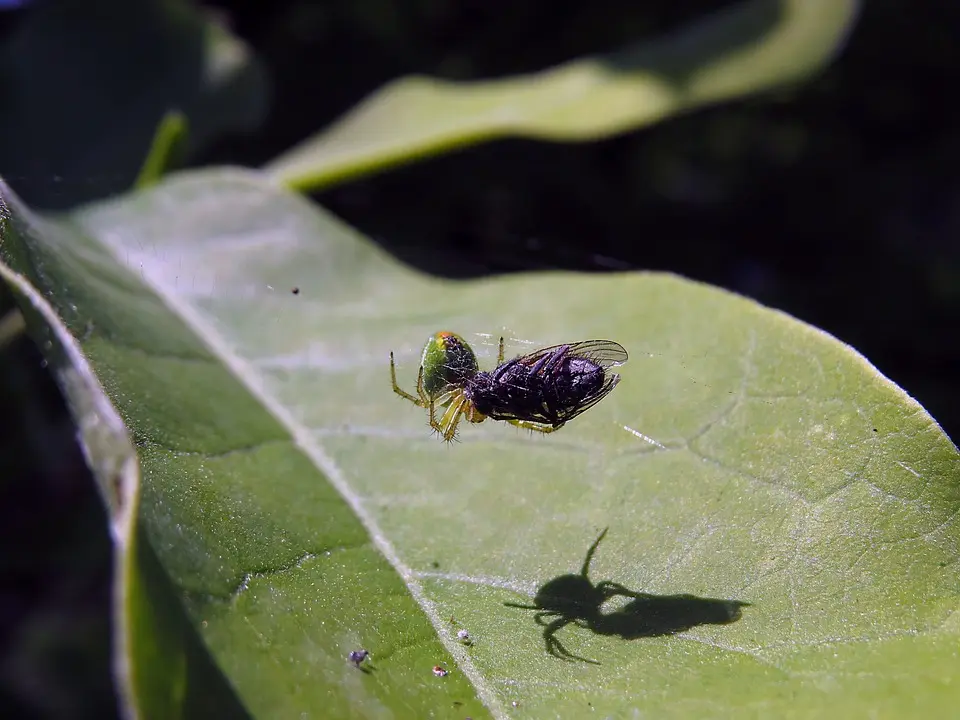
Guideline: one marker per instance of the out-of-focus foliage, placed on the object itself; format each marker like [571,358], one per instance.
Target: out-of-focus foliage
[54,547]
[751,47]
[83,86]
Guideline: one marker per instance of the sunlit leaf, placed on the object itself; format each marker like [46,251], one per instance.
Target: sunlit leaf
[302,510]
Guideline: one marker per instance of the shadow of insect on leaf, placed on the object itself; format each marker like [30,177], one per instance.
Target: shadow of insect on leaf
[574,599]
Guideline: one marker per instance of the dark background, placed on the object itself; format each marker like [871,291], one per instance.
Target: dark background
[837,201]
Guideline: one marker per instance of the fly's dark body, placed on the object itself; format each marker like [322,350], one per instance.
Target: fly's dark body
[550,386]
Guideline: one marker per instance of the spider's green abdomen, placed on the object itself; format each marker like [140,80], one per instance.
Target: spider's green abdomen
[448,362]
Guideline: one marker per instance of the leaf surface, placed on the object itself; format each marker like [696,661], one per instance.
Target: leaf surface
[302,510]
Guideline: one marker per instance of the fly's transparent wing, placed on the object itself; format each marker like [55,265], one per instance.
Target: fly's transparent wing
[604,353]
[570,412]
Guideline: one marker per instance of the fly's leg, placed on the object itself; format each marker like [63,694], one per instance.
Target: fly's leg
[500,353]
[544,428]
[419,401]
[555,358]
[547,362]
[502,369]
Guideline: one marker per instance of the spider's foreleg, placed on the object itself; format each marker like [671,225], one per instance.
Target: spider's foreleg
[400,391]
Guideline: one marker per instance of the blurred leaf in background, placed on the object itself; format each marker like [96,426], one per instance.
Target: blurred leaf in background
[83,86]
[749,47]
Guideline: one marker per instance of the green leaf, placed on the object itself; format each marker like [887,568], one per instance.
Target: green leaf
[748,48]
[85,85]
[161,669]
[303,511]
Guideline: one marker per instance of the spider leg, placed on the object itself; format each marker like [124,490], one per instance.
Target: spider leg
[544,428]
[400,391]
[437,425]
[424,398]
[444,401]
[457,407]
[453,404]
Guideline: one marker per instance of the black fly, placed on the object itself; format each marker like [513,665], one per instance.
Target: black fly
[545,389]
